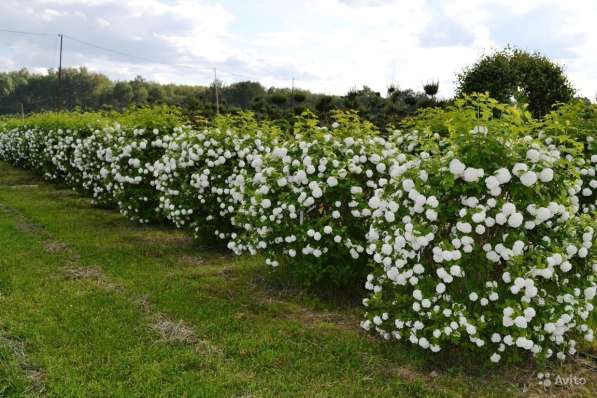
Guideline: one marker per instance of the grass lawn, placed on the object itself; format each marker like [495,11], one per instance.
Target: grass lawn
[92,305]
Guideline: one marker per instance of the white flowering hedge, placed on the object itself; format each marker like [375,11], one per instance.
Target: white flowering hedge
[304,204]
[471,228]
[198,178]
[571,129]
[488,252]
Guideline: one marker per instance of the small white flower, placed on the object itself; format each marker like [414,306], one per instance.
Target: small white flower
[528,179]
[546,175]
[332,181]
[266,203]
[515,220]
[533,155]
[457,167]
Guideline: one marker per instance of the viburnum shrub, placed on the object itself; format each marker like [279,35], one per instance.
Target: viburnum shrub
[46,143]
[93,156]
[304,203]
[131,156]
[572,129]
[479,247]
[474,222]
[19,146]
[197,176]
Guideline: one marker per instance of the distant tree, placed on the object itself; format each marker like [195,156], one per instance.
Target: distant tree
[431,89]
[6,85]
[156,94]
[325,103]
[514,74]
[140,92]
[391,89]
[299,98]
[122,94]
[81,88]
[88,90]
[241,94]
[278,99]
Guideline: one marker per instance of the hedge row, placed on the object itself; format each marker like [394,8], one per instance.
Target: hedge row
[472,227]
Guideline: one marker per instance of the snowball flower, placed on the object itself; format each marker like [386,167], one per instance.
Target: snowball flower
[457,167]
[266,203]
[515,220]
[528,179]
[546,175]
[408,184]
[533,155]
[492,182]
[431,214]
[472,175]
[432,201]
[503,175]
[565,266]
[521,322]
[464,227]
[519,169]
[332,181]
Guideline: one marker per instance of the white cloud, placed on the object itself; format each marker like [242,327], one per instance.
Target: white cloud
[102,23]
[327,45]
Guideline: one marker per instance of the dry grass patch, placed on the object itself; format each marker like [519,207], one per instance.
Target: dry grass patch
[161,237]
[84,273]
[22,186]
[35,375]
[93,274]
[191,261]
[29,228]
[173,332]
[54,246]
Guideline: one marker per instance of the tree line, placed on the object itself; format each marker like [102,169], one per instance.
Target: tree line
[508,75]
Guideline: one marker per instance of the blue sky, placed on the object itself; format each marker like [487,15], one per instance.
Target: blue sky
[326,45]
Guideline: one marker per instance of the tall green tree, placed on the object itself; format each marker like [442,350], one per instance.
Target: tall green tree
[123,94]
[514,74]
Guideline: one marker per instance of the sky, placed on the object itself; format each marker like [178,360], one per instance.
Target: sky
[328,46]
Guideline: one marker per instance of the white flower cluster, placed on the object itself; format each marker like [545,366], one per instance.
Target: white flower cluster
[485,253]
[307,204]
[200,176]
[475,239]
[571,129]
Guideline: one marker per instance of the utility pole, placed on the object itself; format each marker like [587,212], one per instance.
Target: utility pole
[292,93]
[60,75]
[216,88]
[22,112]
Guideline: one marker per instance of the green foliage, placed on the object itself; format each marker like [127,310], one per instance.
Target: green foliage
[494,194]
[472,242]
[88,91]
[97,336]
[514,74]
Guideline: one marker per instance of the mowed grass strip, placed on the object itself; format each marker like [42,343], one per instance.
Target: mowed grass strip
[83,338]
[108,308]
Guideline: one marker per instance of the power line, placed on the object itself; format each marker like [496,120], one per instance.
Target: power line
[21,32]
[111,50]
[132,56]
[86,43]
